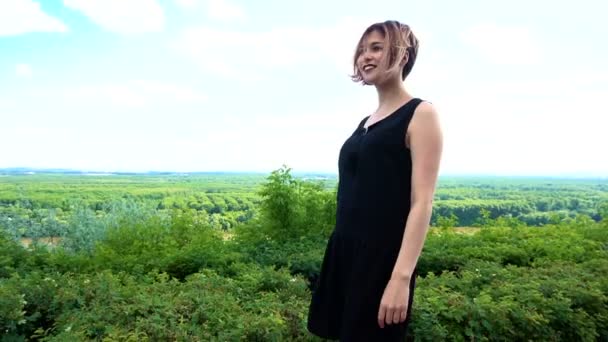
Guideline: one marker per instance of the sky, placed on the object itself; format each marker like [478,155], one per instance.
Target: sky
[234,85]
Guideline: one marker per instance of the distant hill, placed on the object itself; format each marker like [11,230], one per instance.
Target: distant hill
[28,170]
[31,171]
[302,175]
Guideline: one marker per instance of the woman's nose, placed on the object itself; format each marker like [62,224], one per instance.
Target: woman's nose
[365,55]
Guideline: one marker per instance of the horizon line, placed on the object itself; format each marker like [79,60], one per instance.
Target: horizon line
[585,175]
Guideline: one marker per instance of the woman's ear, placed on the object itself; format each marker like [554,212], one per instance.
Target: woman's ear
[406,58]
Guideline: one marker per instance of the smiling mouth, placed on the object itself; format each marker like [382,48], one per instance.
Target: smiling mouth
[368,67]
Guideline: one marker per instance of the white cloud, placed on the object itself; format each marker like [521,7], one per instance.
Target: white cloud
[511,45]
[223,10]
[527,128]
[24,70]
[173,92]
[250,54]
[25,16]
[308,138]
[122,16]
[137,93]
[188,4]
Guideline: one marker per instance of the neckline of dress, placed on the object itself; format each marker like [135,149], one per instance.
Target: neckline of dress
[366,129]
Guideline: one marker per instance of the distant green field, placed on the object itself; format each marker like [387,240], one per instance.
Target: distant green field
[533,200]
[227,199]
[31,202]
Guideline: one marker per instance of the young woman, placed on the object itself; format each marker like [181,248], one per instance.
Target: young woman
[388,171]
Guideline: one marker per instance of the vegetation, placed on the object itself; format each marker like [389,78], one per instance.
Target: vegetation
[233,257]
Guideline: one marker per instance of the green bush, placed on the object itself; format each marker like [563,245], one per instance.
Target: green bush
[258,305]
[292,209]
[486,301]
[12,256]
[12,308]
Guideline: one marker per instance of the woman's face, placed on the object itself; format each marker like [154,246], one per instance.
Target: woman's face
[370,60]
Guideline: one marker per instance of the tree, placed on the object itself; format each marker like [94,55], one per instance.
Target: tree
[447,222]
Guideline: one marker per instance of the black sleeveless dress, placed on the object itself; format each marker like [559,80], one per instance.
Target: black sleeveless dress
[374,190]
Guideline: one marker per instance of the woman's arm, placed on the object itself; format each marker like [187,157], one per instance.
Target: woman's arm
[425,141]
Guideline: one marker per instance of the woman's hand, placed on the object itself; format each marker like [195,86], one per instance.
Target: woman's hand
[394,303]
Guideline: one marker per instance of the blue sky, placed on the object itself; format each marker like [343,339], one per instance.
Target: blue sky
[228,85]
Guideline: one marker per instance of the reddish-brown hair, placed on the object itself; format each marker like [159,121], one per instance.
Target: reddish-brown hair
[401,42]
